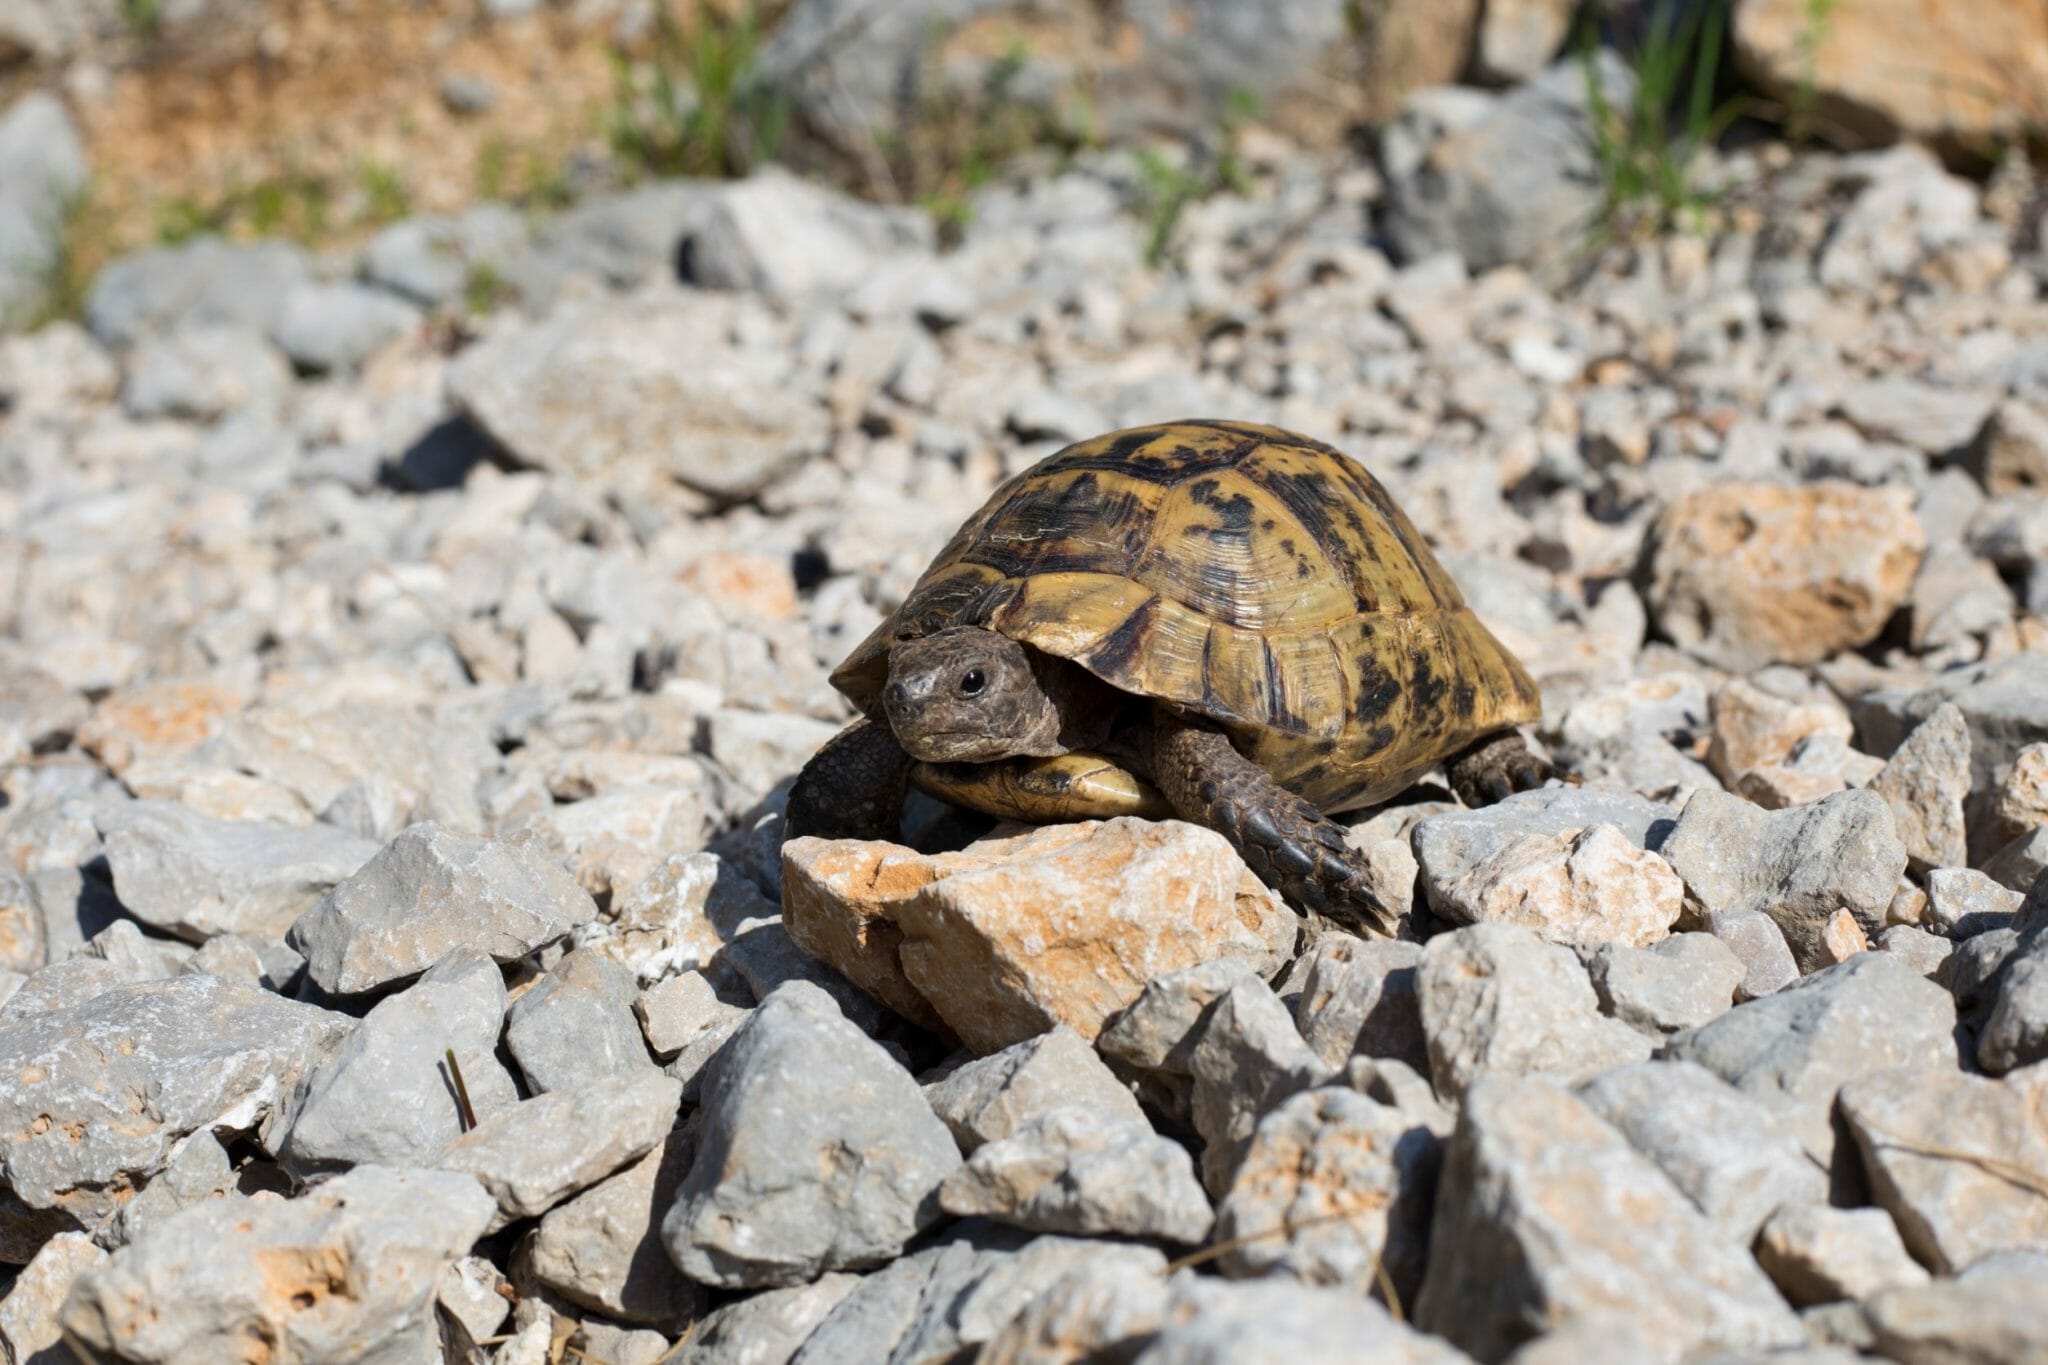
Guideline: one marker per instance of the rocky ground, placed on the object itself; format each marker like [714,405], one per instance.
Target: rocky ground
[401,962]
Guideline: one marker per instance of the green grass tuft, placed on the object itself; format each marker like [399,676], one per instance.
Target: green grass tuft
[692,105]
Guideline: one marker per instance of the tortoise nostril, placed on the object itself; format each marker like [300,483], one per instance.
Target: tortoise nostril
[896,694]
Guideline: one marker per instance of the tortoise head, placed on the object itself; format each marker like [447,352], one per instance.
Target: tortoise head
[969,695]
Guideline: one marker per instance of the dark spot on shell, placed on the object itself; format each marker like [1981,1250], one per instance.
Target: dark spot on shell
[1377,692]
[1111,657]
[1380,738]
[1424,686]
[1464,698]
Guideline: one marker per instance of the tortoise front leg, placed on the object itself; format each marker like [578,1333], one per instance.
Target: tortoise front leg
[1293,847]
[852,788]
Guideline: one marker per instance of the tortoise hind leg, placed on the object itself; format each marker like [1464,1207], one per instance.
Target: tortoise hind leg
[1496,767]
[1293,847]
[852,788]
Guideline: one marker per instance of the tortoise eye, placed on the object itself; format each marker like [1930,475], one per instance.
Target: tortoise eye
[972,681]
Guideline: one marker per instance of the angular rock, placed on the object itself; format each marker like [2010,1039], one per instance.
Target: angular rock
[428,891]
[385,1096]
[1347,1182]
[2021,863]
[2016,1033]
[1757,729]
[1495,997]
[1816,1254]
[433,260]
[1992,1314]
[941,1302]
[1744,575]
[1925,784]
[1518,37]
[1926,417]
[603,1248]
[1736,1162]
[1359,998]
[533,1155]
[1595,886]
[330,327]
[1795,1050]
[2017,806]
[1798,866]
[1080,1171]
[202,374]
[676,1010]
[1506,182]
[28,1315]
[97,1097]
[1681,983]
[996,1096]
[787,239]
[576,1024]
[1089,1313]
[1925,953]
[1213,1322]
[1970,87]
[768,1328]
[679,916]
[346,1272]
[1962,902]
[1063,925]
[199,283]
[198,877]
[1545,1214]
[652,388]
[818,1152]
[1759,944]
[470,1291]
[1940,1147]
[1243,1057]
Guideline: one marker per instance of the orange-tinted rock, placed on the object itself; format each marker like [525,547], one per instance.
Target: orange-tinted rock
[1013,935]
[744,585]
[1967,71]
[157,720]
[1747,574]
[1754,728]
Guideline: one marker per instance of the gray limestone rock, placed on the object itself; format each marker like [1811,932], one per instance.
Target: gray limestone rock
[787,239]
[428,891]
[1245,1059]
[533,1155]
[603,1248]
[768,1328]
[1546,1214]
[943,1301]
[818,1152]
[29,1330]
[386,1095]
[346,1274]
[1817,1254]
[97,1097]
[576,1024]
[1994,1313]
[1798,865]
[995,1096]
[1925,783]
[1680,983]
[2016,1032]
[1947,1156]
[1497,998]
[199,877]
[1321,1155]
[434,260]
[203,282]
[1511,184]
[1738,1163]
[1082,1171]
[1207,1321]
[1359,998]
[1759,945]
[1962,902]
[1795,1050]
[654,387]
[335,327]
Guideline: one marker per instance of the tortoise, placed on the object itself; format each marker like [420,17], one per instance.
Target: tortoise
[1226,622]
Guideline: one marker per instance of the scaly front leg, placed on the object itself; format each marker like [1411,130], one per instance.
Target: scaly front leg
[852,788]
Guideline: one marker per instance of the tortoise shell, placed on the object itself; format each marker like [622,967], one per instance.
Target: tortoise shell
[1239,572]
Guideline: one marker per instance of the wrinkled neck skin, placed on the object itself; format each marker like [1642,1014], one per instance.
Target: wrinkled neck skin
[969,695]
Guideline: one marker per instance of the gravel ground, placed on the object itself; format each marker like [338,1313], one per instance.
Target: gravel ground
[396,708]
